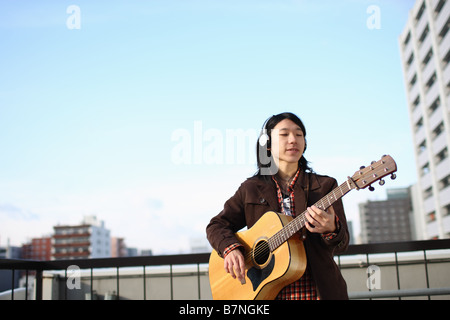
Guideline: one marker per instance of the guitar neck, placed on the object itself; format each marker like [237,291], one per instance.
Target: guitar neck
[299,222]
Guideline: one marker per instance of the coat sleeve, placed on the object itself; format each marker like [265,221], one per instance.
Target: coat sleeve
[222,228]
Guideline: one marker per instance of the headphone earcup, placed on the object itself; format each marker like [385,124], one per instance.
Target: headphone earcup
[263,139]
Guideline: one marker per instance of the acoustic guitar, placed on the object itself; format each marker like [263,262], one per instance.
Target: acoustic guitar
[275,255]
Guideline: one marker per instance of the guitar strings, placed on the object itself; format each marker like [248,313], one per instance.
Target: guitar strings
[299,222]
[277,239]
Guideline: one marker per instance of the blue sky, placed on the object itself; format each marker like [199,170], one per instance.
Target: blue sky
[89,117]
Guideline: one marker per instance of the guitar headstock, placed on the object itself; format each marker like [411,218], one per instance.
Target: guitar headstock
[377,170]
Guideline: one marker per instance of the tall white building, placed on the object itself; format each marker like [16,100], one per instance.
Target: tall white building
[425,54]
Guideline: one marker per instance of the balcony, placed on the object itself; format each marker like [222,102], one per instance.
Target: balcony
[404,270]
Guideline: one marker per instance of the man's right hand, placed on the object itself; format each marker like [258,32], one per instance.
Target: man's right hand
[234,265]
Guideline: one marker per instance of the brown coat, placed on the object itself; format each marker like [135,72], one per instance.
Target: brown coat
[256,196]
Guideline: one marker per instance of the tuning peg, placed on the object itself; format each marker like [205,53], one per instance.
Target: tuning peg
[372,162]
[393,176]
[382,182]
[371,188]
[362,167]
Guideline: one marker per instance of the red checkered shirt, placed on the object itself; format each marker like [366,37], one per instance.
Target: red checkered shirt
[305,287]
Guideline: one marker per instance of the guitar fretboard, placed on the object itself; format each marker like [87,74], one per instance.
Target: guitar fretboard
[299,222]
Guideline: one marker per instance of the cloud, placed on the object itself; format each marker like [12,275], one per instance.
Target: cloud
[13,212]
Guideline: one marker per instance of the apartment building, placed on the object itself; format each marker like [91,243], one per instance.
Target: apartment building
[387,220]
[90,239]
[38,249]
[425,54]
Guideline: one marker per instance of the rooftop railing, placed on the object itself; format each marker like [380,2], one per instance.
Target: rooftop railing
[427,262]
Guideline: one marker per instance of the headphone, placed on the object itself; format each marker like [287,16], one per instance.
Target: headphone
[264,137]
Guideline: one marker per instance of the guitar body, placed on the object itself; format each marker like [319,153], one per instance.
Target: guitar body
[265,275]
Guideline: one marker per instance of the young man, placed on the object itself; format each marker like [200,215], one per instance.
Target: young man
[290,187]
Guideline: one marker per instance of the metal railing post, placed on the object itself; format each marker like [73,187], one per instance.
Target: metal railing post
[39,286]
[426,271]
[398,273]
[145,284]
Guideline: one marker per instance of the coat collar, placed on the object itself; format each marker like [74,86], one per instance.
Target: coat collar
[303,181]
[268,193]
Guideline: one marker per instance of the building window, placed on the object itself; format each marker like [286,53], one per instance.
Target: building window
[446,59]
[425,169]
[420,12]
[418,125]
[444,30]
[434,106]
[415,103]
[411,59]
[439,6]
[408,37]
[437,131]
[422,147]
[431,81]
[413,81]
[427,57]
[441,156]
[428,193]
[424,34]
[446,210]
[444,183]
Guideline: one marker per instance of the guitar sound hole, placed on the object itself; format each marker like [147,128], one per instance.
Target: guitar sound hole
[261,252]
